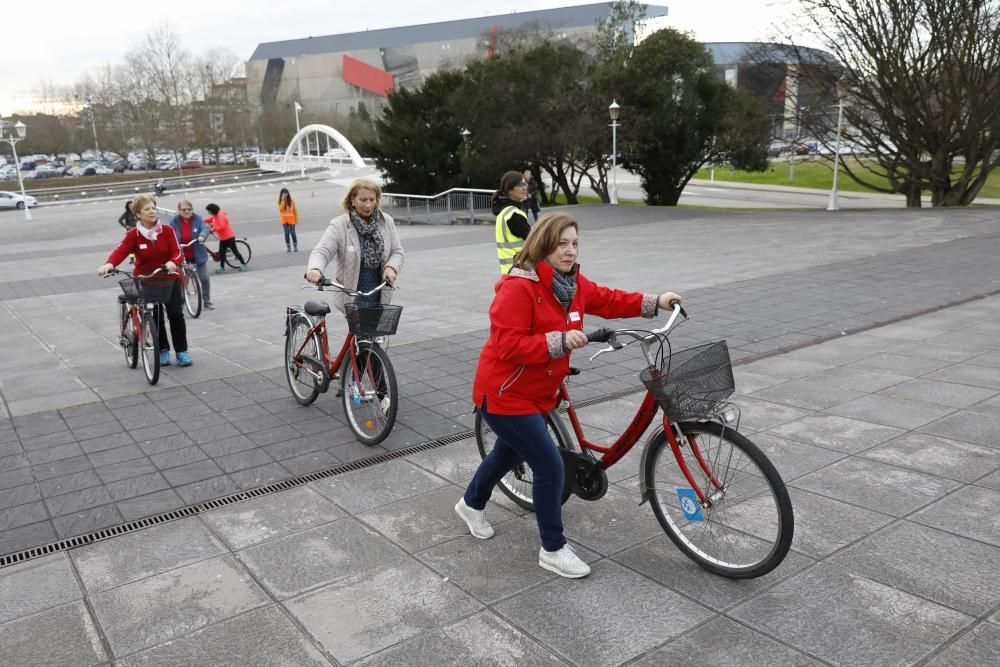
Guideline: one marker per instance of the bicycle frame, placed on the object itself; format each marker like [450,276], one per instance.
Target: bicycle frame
[332,364]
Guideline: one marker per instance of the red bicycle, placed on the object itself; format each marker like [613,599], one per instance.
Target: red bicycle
[715,494]
[141,297]
[368,388]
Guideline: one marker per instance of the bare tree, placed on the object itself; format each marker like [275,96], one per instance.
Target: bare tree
[924,79]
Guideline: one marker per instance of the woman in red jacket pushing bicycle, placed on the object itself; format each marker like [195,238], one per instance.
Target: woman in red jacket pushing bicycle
[536,320]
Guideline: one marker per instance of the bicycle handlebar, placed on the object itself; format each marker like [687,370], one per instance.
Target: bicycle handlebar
[609,336]
[327,282]
[162,269]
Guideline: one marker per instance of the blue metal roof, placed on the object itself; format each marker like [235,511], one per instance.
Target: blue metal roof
[731,53]
[445,31]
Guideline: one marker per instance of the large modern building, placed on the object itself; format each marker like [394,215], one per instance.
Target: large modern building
[332,74]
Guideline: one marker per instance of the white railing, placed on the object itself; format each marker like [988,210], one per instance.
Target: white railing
[458,206]
[298,162]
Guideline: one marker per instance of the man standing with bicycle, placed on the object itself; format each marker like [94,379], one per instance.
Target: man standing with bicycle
[189,226]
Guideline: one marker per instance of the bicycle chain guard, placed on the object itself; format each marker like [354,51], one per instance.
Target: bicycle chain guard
[584,477]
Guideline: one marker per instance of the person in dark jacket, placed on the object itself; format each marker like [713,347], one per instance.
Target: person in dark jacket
[536,321]
[127,219]
[530,204]
[512,222]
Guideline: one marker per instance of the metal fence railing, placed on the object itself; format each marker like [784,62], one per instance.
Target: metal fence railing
[458,206]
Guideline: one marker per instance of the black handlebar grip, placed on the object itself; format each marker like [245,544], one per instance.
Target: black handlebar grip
[602,335]
[675,302]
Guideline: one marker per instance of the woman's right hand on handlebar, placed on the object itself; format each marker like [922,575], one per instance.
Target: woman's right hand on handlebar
[314,276]
[105,269]
[576,339]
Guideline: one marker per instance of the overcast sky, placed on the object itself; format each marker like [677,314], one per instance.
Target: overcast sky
[58,42]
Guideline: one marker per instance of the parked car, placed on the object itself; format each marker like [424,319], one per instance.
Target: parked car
[15,200]
[191,164]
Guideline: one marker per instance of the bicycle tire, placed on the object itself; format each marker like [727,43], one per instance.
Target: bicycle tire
[747,530]
[244,249]
[130,337]
[302,384]
[366,382]
[191,284]
[517,484]
[150,347]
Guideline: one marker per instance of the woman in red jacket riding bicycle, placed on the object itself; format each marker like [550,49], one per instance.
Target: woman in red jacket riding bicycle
[536,321]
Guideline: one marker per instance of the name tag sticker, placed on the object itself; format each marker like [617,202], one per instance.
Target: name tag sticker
[574,316]
[142,246]
[350,248]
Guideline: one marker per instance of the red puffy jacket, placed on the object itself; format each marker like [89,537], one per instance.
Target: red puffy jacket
[523,362]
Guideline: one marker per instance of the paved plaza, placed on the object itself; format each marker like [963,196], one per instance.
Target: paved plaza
[868,369]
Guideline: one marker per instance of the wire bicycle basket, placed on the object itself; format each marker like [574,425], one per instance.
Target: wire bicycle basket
[147,290]
[691,383]
[378,320]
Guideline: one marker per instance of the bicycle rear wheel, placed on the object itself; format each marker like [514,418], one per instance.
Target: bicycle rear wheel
[369,393]
[745,530]
[245,251]
[302,361]
[129,336]
[150,346]
[192,291]
[517,484]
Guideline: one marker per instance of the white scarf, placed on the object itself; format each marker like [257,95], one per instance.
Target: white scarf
[152,232]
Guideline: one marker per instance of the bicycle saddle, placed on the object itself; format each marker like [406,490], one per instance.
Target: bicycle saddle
[122,298]
[316,307]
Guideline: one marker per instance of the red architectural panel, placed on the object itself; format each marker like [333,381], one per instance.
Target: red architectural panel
[363,75]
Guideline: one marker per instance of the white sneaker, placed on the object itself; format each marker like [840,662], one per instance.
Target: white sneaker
[475,520]
[385,403]
[564,562]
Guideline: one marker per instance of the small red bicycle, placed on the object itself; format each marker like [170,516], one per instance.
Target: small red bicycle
[141,297]
[715,494]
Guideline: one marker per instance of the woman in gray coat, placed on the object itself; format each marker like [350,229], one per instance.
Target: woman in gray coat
[364,244]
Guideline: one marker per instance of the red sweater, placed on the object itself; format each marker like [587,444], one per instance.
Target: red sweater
[523,363]
[149,255]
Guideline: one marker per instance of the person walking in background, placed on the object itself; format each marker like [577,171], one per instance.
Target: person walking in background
[531,203]
[155,245]
[536,321]
[218,222]
[127,219]
[289,218]
[512,222]
[188,225]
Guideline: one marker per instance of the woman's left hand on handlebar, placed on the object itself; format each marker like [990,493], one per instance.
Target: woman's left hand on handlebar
[575,339]
[667,298]
[170,267]
[105,269]
[389,275]
[314,276]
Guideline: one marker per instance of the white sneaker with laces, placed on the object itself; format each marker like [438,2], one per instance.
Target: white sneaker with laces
[564,562]
[475,520]
[385,404]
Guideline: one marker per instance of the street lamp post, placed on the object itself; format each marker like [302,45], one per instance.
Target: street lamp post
[302,165]
[465,141]
[842,91]
[613,110]
[17,131]
[93,126]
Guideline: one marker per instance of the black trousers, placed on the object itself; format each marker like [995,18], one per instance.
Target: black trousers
[175,314]
[229,243]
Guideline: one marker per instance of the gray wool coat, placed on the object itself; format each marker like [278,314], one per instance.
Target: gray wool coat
[340,244]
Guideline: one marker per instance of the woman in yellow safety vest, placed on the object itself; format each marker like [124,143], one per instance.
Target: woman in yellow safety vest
[512,220]
[289,218]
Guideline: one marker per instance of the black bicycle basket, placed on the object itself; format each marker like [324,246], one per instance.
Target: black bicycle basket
[380,320]
[693,381]
[155,288]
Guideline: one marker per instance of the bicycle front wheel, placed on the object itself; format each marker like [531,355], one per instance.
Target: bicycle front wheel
[192,291]
[245,252]
[150,347]
[302,360]
[744,529]
[517,484]
[369,393]
[129,336]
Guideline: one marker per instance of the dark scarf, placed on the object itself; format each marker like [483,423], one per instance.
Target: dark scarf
[564,287]
[371,238]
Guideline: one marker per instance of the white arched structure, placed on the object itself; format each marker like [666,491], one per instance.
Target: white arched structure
[299,154]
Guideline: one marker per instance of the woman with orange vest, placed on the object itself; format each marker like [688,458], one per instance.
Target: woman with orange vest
[289,218]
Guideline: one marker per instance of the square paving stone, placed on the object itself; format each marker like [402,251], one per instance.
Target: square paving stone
[68,483]
[990,406]
[165,443]
[19,495]
[968,373]
[11,477]
[78,500]
[253,521]
[626,615]
[968,426]
[151,611]
[137,486]
[63,635]
[24,537]
[258,637]
[135,556]
[46,441]
[106,442]
[290,565]
[840,433]
[207,489]
[815,611]
[378,485]
[116,455]
[810,393]
[759,415]
[378,608]
[251,478]
[250,458]
[823,525]
[311,462]
[481,639]
[177,458]
[722,641]
[79,523]
[220,448]
[937,351]
[97,430]
[947,394]
[899,364]
[896,412]
[30,587]
[40,457]
[969,512]
[149,504]
[124,470]
[192,472]
[877,486]
[909,557]
[860,379]
[786,366]
[793,459]
[611,524]
[938,456]
[981,646]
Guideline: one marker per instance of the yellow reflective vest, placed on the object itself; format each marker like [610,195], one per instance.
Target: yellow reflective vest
[508,245]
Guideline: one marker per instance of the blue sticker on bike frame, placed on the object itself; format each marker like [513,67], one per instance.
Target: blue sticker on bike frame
[690,504]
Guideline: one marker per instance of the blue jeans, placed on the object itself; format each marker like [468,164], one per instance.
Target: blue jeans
[290,234]
[524,438]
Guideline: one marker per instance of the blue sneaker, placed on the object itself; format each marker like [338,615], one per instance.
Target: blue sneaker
[164,357]
[183,359]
